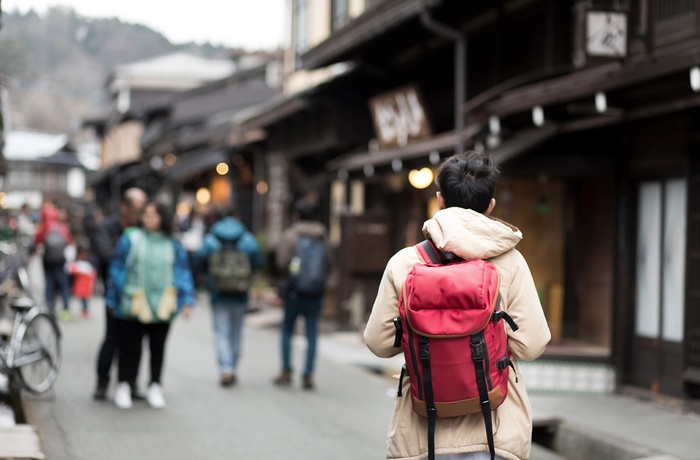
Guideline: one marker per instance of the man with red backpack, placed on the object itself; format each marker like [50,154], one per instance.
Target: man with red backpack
[463,308]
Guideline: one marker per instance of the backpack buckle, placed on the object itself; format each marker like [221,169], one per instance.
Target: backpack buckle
[424,353]
[477,352]
[477,343]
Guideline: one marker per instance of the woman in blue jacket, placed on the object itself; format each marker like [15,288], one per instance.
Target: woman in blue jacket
[149,283]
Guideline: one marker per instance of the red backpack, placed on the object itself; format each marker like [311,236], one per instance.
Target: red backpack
[453,340]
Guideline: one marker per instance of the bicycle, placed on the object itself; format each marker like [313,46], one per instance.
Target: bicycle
[30,351]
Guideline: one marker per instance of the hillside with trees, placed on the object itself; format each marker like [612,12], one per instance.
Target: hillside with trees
[55,64]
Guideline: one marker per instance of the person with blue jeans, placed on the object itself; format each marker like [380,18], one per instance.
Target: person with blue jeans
[53,219]
[305,225]
[309,309]
[228,309]
[57,277]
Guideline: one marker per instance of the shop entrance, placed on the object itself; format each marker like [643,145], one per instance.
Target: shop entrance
[659,286]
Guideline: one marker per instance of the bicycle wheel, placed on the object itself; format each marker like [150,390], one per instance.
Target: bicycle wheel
[37,358]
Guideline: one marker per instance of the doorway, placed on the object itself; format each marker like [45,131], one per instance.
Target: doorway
[660,286]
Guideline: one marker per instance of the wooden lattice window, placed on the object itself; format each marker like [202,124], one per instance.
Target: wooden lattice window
[673,20]
[673,10]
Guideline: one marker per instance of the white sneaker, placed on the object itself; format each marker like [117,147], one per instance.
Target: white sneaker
[122,396]
[155,396]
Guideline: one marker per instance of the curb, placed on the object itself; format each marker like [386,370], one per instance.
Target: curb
[570,441]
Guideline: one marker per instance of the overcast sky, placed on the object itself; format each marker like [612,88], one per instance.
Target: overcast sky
[252,24]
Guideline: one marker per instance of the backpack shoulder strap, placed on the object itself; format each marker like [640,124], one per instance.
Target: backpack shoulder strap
[134,236]
[429,253]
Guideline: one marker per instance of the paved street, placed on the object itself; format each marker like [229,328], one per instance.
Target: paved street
[345,418]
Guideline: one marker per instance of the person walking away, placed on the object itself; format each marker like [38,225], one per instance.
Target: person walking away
[84,275]
[149,283]
[103,243]
[230,254]
[304,255]
[54,237]
[464,227]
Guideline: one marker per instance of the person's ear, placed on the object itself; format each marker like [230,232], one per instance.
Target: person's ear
[440,200]
[492,204]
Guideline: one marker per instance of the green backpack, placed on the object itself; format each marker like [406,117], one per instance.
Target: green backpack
[230,270]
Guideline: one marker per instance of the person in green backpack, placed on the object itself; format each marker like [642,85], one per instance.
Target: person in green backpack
[230,255]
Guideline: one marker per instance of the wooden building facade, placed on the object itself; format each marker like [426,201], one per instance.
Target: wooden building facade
[589,106]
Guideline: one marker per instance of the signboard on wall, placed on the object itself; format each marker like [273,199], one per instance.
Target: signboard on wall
[606,34]
[399,116]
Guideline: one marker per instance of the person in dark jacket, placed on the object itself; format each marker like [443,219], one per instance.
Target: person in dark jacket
[228,309]
[305,223]
[103,244]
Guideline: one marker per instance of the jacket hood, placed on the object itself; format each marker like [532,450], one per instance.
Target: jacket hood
[228,229]
[469,234]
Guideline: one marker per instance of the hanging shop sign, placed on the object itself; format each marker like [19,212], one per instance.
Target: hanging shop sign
[399,116]
[606,34]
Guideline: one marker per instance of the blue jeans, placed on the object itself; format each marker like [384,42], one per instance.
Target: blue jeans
[56,276]
[310,310]
[228,330]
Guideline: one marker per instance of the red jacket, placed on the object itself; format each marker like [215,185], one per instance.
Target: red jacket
[47,226]
[84,275]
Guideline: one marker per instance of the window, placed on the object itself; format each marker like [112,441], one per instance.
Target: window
[301,29]
[670,10]
[661,252]
[339,14]
[673,20]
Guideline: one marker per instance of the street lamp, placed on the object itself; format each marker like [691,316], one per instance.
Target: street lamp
[222,169]
[203,196]
[420,178]
[537,116]
[695,78]
[601,102]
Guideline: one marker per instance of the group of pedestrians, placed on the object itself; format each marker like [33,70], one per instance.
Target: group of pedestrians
[148,279]
[147,274]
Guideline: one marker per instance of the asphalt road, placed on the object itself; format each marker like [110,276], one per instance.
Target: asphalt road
[346,417]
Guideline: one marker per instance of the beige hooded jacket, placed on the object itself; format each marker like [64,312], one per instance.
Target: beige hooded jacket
[469,235]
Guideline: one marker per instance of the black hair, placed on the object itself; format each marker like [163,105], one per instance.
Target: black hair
[306,209]
[166,217]
[468,180]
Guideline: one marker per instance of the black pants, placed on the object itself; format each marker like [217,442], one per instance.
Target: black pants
[108,350]
[129,339]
